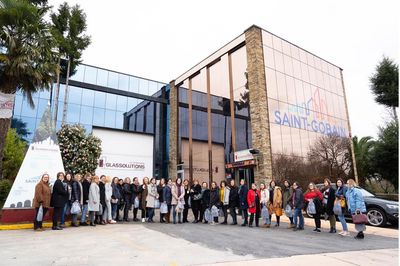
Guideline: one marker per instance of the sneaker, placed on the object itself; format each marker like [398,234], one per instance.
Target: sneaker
[113,222]
[143,220]
[92,224]
[317,230]
[276,225]
[296,229]
[345,233]
[83,224]
[290,226]
[332,231]
[56,228]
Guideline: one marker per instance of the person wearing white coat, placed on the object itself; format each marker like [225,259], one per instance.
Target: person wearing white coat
[264,202]
[94,199]
[107,218]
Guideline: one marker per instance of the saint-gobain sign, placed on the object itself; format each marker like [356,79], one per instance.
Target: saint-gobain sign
[124,154]
[243,155]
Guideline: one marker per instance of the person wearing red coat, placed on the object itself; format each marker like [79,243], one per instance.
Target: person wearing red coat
[253,200]
[313,194]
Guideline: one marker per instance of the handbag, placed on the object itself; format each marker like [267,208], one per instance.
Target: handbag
[75,208]
[114,201]
[197,196]
[288,211]
[359,218]
[221,213]
[264,212]
[163,208]
[278,211]
[337,207]
[311,208]
[207,215]
[343,203]
[156,204]
[214,211]
[136,203]
[39,216]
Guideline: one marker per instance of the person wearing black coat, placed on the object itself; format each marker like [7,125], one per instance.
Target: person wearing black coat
[205,200]
[297,202]
[76,196]
[243,190]
[115,198]
[136,196]
[167,197]
[328,201]
[58,199]
[127,195]
[195,199]
[214,198]
[121,202]
[85,195]
[233,200]
[186,198]
[102,189]
[160,189]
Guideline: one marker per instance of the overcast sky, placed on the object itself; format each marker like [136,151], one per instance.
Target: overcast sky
[162,39]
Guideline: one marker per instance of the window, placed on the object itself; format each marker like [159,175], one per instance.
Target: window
[272,90]
[90,75]
[74,95]
[111,102]
[98,117]
[123,82]
[122,102]
[99,99]
[73,113]
[86,115]
[27,110]
[269,60]
[109,120]
[291,90]
[87,97]
[281,84]
[80,73]
[279,66]
[267,38]
[277,43]
[276,138]
[133,84]
[144,86]
[102,77]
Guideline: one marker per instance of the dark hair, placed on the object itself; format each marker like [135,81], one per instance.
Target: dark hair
[213,182]
[340,179]
[286,181]
[59,174]
[297,183]
[271,183]
[119,180]
[222,182]
[114,179]
[329,181]
[176,181]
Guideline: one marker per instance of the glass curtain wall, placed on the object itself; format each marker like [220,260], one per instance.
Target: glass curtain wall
[214,118]
[305,97]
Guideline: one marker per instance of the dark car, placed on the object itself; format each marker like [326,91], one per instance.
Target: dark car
[379,211]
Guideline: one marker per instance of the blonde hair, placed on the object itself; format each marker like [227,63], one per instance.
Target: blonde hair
[94,178]
[76,177]
[351,182]
[108,179]
[127,180]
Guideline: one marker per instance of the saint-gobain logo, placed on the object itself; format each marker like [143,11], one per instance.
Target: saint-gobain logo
[121,165]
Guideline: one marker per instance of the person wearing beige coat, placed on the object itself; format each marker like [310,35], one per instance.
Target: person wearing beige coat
[275,198]
[152,196]
[265,202]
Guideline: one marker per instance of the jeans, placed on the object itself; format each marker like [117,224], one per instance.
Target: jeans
[64,212]
[343,222]
[37,224]
[298,215]
[114,209]
[84,212]
[174,214]
[245,216]
[107,212]
[150,212]
[92,216]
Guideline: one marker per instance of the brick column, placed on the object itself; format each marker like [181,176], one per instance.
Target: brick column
[258,104]
[173,131]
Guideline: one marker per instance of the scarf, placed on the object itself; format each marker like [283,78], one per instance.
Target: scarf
[178,188]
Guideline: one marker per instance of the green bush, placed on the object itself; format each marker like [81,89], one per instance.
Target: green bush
[5,187]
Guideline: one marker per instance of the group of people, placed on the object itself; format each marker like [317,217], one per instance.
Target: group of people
[101,199]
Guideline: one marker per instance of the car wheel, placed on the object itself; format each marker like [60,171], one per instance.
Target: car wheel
[376,217]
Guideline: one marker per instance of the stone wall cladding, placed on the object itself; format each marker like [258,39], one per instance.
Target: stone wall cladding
[258,104]
[173,131]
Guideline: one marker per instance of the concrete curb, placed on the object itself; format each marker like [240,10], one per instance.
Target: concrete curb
[26,226]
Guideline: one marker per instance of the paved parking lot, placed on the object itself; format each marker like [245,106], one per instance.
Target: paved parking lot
[189,244]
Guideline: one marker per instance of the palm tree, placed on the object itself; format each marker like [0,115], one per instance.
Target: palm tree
[27,58]
[362,151]
[68,29]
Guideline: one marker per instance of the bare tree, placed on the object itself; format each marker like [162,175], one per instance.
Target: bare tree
[332,152]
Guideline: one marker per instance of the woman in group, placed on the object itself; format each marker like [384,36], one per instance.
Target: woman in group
[195,198]
[127,194]
[144,190]
[160,189]
[102,187]
[94,199]
[115,198]
[121,201]
[167,196]
[107,213]
[67,186]
[214,199]
[328,200]
[178,201]
[136,198]
[243,190]
[356,204]
[275,198]
[264,202]
[287,196]
[59,198]
[341,196]
[253,201]
[42,198]
[205,200]
[85,194]
[186,187]
[233,200]
[298,205]
[224,199]
[313,194]
[152,196]
[76,196]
